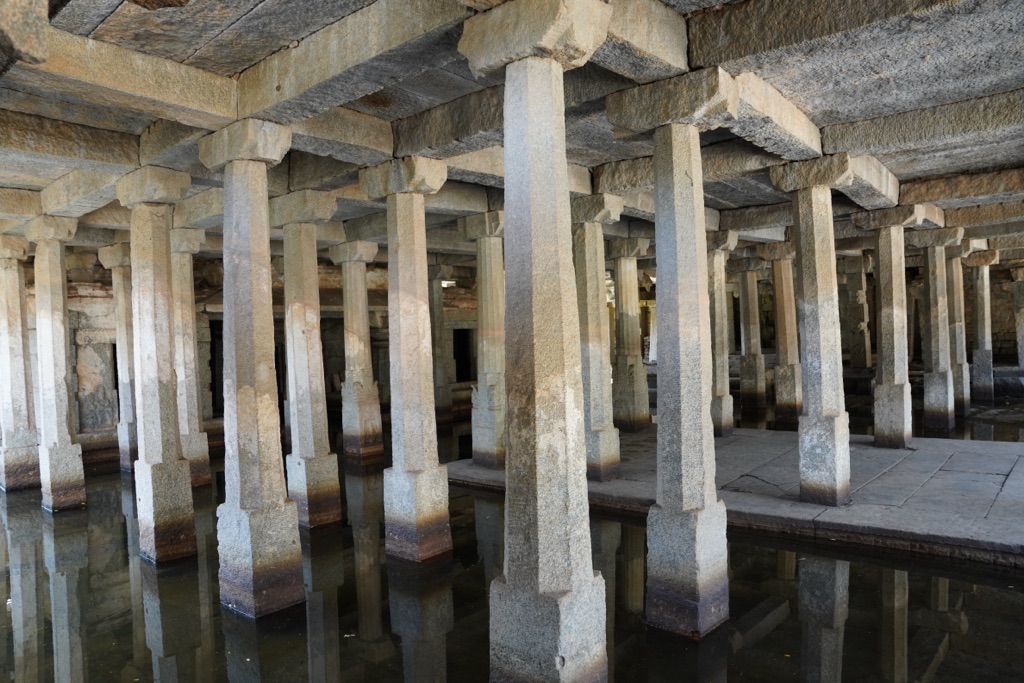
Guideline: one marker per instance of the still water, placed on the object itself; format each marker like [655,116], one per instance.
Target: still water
[82,606]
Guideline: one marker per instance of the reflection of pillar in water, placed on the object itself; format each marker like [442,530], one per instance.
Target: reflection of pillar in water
[634,553]
[205,501]
[258,651]
[22,517]
[420,597]
[323,574]
[938,599]
[65,553]
[489,515]
[171,601]
[893,635]
[140,653]
[824,603]
[604,546]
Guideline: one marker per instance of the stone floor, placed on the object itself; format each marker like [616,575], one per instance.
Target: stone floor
[941,497]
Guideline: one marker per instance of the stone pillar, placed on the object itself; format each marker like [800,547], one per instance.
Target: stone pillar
[440,344]
[204,340]
[65,552]
[753,385]
[788,372]
[631,402]
[162,480]
[416,485]
[488,421]
[380,342]
[117,259]
[194,446]
[1018,312]
[892,413]
[893,635]
[312,468]
[824,596]
[19,455]
[362,440]
[719,246]
[602,438]
[982,382]
[858,310]
[958,336]
[60,458]
[547,618]
[938,377]
[824,424]
[257,526]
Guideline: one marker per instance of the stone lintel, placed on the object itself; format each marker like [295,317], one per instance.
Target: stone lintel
[939,237]
[350,252]
[854,246]
[187,240]
[744,265]
[13,247]
[646,41]
[915,216]
[152,185]
[966,248]
[964,189]
[706,99]
[568,31]
[51,228]
[724,240]
[117,255]
[304,206]
[490,224]
[80,192]
[772,122]
[170,144]
[249,139]
[202,210]
[19,205]
[410,174]
[1017,274]
[986,214]
[1005,242]
[987,257]
[863,179]
[330,233]
[630,247]
[857,264]
[597,208]
[776,251]
[345,135]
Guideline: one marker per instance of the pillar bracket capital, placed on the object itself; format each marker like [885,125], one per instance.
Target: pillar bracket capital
[597,208]
[630,247]
[187,240]
[116,255]
[724,240]
[776,251]
[989,257]
[152,185]
[746,265]
[568,31]
[861,178]
[490,224]
[917,216]
[248,139]
[51,228]
[13,247]
[940,237]
[357,251]
[410,174]
[304,206]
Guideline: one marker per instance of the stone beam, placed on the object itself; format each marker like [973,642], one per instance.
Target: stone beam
[646,41]
[23,27]
[81,69]
[940,237]
[466,124]
[345,135]
[981,258]
[711,98]
[27,140]
[915,216]
[965,190]
[78,193]
[863,179]
[371,48]
[203,210]
[989,231]
[487,167]
[304,206]
[111,217]
[1006,242]
[987,214]
[948,126]
[19,205]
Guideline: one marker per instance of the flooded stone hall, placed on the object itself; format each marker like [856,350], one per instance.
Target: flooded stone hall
[512,340]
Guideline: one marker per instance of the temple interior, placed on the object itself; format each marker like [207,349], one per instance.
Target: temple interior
[512,340]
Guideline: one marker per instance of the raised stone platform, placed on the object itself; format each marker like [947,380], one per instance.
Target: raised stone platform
[945,498]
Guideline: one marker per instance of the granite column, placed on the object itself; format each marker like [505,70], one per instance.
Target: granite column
[958,336]
[117,259]
[892,412]
[631,402]
[722,416]
[938,378]
[753,385]
[982,382]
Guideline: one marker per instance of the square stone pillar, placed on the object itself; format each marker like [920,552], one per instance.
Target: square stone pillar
[312,468]
[416,485]
[958,336]
[362,440]
[788,373]
[547,611]
[824,427]
[824,597]
[257,526]
[60,457]
[753,385]
[194,445]
[630,397]
[1018,312]
[939,415]
[162,480]
[858,311]
[19,455]
[982,381]
[589,214]
[719,246]
[488,230]
[441,344]
[117,259]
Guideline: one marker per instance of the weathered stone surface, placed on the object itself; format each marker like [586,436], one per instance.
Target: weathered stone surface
[988,214]
[249,139]
[568,31]
[23,32]
[464,125]
[646,41]
[981,259]
[203,210]
[117,259]
[78,193]
[152,184]
[917,216]
[772,122]
[19,205]
[598,208]
[410,174]
[862,179]
[81,17]
[707,99]
[32,140]
[966,190]
[939,237]
[345,135]
[304,206]
[311,172]
[170,144]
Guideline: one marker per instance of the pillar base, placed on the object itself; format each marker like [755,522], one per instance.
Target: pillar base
[127,444]
[62,476]
[961,388]
[722,415]
[548,637]
[603,454]
[753,385]
[416,524]
[894,423]
[260,559]
[166,523]
[631,403]
[982,382]
[313,485]
[788,396]
[488,421]
[195,448]
[687,570]
[825,459]
[19,467]
[938,402]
